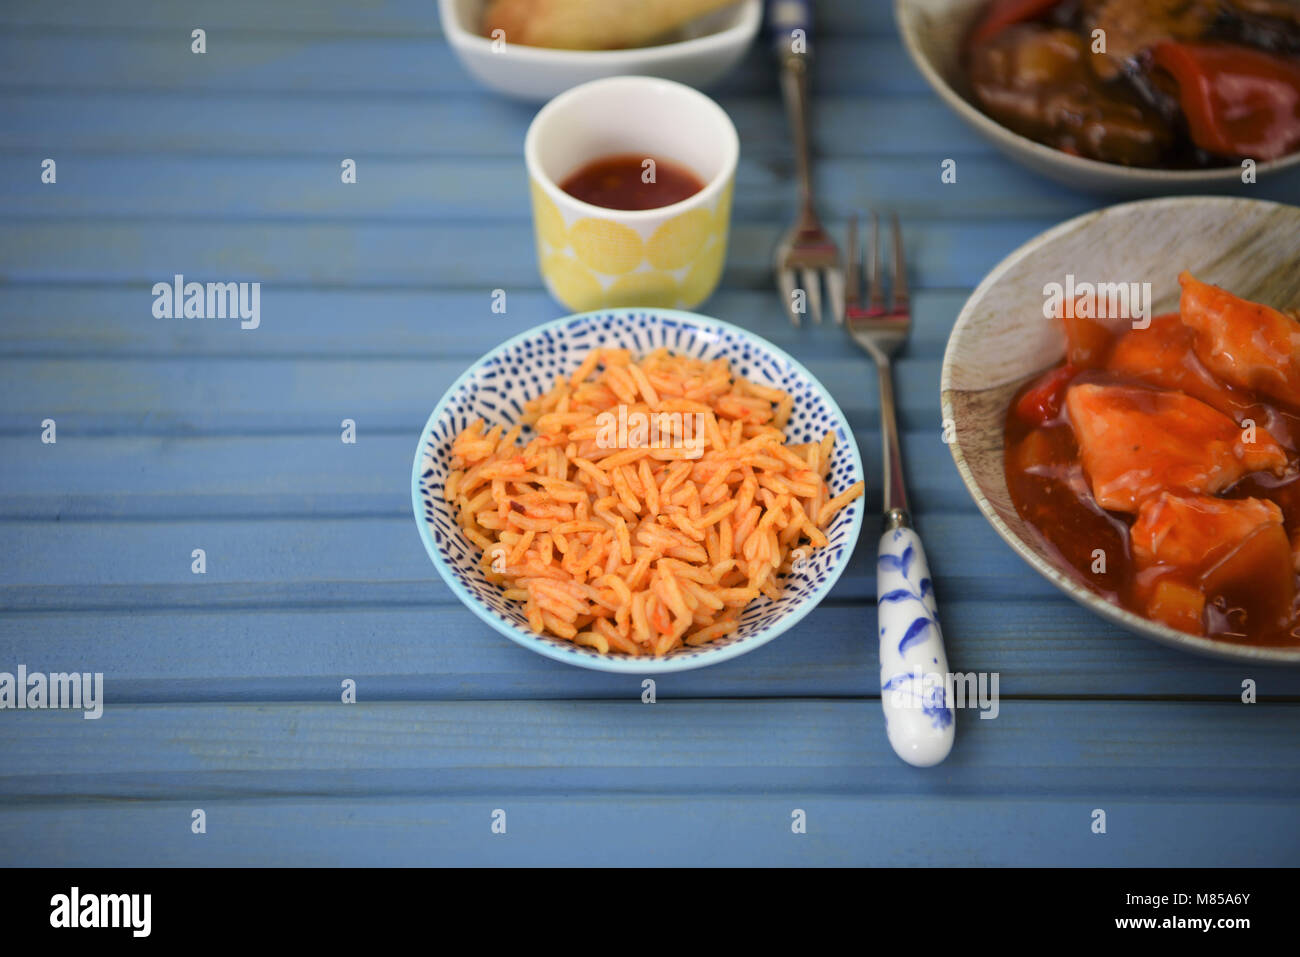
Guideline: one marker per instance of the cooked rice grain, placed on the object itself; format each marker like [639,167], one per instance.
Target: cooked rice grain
[644,549]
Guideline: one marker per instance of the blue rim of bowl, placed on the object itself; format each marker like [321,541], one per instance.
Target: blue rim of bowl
[628,665]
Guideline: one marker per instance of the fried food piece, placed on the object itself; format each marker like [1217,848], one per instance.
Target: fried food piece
[1000,14]
[1133,26]
[1246,343]
[1135,442]
[1233,552]
[1036,80]
[592,24]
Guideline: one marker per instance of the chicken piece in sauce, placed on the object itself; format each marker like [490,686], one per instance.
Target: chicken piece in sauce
[1193,533]
[1246,343]
[1232,554]
[1163,355]
[1135,442]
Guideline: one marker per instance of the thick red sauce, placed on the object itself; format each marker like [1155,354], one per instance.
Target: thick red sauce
[628,182]
[1252,597]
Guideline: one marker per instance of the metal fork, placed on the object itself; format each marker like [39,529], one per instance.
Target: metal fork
[806,250]
[913,666]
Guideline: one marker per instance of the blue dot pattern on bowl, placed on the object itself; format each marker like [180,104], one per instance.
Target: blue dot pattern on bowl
[497,387]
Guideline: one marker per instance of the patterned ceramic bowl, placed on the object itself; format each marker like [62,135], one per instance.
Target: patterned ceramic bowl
[495,388]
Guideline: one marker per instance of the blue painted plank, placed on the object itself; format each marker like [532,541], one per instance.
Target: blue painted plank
[491,189]
[358,125]
[275,396]
[633,830]
[440,651]
[380,561]
[275,62]
[467,255]
[43,320]
[392,17]
[1169,749]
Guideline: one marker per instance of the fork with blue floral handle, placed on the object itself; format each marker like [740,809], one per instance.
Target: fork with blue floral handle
[913,666]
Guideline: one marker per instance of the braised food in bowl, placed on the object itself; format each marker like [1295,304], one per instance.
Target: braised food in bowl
[1168,84]
[1160,460]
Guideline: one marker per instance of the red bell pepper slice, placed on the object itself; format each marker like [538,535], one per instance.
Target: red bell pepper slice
[1238,101]
[1003,13]
[1042,402]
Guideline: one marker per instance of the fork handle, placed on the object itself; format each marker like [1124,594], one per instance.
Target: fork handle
[784,17]
[913,665]
[895,491]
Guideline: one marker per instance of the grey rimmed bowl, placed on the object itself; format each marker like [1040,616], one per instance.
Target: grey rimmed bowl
[1001,340]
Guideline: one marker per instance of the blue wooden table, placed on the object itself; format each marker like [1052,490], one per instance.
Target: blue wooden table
[223,689]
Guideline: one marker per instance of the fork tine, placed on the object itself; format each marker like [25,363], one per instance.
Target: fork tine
[875,292]
[813,290]
[898,300]
[835,290]
[853,292]
[785,280]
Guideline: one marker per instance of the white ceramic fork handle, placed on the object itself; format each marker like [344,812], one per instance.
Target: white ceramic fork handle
[913,666]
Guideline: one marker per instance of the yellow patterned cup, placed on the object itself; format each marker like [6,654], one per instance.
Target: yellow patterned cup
[595,258]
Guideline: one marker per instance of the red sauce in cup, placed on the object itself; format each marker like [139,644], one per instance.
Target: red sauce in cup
[632,181]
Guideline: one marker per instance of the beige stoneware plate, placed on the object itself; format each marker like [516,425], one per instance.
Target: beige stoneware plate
[1001,339]
[933,32]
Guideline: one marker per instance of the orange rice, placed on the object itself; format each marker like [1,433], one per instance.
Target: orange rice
[651,541]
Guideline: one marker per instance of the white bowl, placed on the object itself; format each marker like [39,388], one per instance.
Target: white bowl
[710,47]
[1001,340]
[934,31]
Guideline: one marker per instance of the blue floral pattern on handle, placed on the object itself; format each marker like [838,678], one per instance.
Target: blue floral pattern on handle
[928,616]
[913,666]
